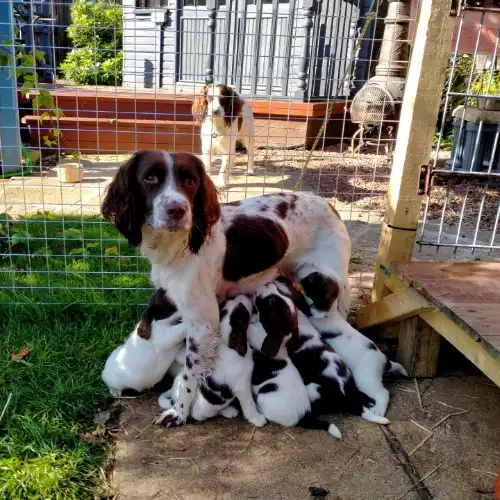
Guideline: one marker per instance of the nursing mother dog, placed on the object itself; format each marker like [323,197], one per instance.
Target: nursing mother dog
[202,251]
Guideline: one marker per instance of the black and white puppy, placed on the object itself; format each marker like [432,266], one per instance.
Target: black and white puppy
[231,377]
[144,359]
[277,385]
[366,362]
[329,382]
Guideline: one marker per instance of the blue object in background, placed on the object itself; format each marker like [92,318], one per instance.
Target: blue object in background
[10,138]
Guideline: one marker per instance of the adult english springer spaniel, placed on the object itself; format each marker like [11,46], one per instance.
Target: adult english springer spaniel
[226,121]
[201,252]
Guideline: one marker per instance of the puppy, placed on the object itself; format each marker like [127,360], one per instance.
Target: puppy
[232,375]
[329,382]
[366,362]
[144,359]
[226,122]
[276,383]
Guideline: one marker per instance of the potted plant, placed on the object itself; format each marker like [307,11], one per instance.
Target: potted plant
[70,170]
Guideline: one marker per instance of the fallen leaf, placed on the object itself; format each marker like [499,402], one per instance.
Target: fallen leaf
[21,354]
[316,492]
[102,417]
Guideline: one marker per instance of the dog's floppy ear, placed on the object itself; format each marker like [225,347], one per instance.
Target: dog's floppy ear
[233,105]
[199,106]
[124,204]
[239,321]
[278,320]
[206,209]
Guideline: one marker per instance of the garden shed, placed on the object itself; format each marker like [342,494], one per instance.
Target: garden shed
[282,48]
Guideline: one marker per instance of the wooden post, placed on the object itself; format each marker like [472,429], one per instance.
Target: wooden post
[212,16]
[308,7]
[426,75]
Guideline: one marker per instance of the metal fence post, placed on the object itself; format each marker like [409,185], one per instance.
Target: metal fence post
[307,12]
[10,137]
[212,15]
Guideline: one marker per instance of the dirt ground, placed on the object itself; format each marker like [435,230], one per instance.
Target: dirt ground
[230,459]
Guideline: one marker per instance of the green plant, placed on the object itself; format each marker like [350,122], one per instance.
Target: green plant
[96,31]
[486,84]
[26,74]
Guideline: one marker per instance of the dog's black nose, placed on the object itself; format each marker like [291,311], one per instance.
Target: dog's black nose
[176,211]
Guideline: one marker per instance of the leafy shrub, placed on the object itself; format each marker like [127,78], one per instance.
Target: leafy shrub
[97,33]
[482,85]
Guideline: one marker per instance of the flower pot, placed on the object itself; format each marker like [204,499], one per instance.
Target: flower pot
[69,173]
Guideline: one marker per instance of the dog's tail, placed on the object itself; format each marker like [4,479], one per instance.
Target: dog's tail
[309,421]
[393,368]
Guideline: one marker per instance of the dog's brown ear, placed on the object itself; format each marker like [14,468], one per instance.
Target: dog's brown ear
[232,104]
[144,328]
[239,321]
[206,209]
[124,203]
[199,106]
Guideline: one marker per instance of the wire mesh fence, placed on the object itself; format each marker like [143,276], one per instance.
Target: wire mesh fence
[462,208]
[97,80]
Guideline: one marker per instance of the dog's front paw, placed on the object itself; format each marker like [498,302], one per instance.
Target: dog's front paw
[258,420]
[229,412]
[170,418]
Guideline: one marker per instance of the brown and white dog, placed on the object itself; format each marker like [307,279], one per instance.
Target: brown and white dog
[200,254]
[225,120]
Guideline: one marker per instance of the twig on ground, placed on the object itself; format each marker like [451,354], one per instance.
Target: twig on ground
[488,473]
[408,466]
[249,441]
[417,483]
[5,406]
[419,445]
[156,494]
[141,431]
[435,426]
[446,417]
[419,395]
[289,435]
[421,426]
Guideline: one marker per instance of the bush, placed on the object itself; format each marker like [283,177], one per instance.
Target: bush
[97,33]
[484,86]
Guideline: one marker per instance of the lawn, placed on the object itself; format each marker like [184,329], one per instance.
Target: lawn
[69,291]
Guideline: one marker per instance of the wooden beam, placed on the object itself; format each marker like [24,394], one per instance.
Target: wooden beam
[473,350]
[395,307]
[426,76]
[418,348]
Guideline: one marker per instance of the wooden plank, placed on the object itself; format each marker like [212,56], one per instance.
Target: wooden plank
[395,307]
[474,351]
[430,53]
[467,292]
[92,99]
[418,347]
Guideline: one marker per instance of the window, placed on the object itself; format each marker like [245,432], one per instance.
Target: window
[151,4]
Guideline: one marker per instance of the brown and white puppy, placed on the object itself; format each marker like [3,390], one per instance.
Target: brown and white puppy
[167,204]
[226,120]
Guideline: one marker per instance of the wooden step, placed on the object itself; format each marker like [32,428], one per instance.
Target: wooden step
[129,104]
[107,136]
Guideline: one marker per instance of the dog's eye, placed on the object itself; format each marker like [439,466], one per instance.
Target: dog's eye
[189,182]
[151,179]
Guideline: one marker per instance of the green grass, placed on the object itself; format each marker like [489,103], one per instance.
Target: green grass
[66,310]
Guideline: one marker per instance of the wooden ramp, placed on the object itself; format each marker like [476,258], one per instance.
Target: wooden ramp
[460,301]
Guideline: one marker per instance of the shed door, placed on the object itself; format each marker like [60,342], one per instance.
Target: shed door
[252,48]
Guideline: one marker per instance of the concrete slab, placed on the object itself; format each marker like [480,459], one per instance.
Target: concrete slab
[43,192]
[224,459]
